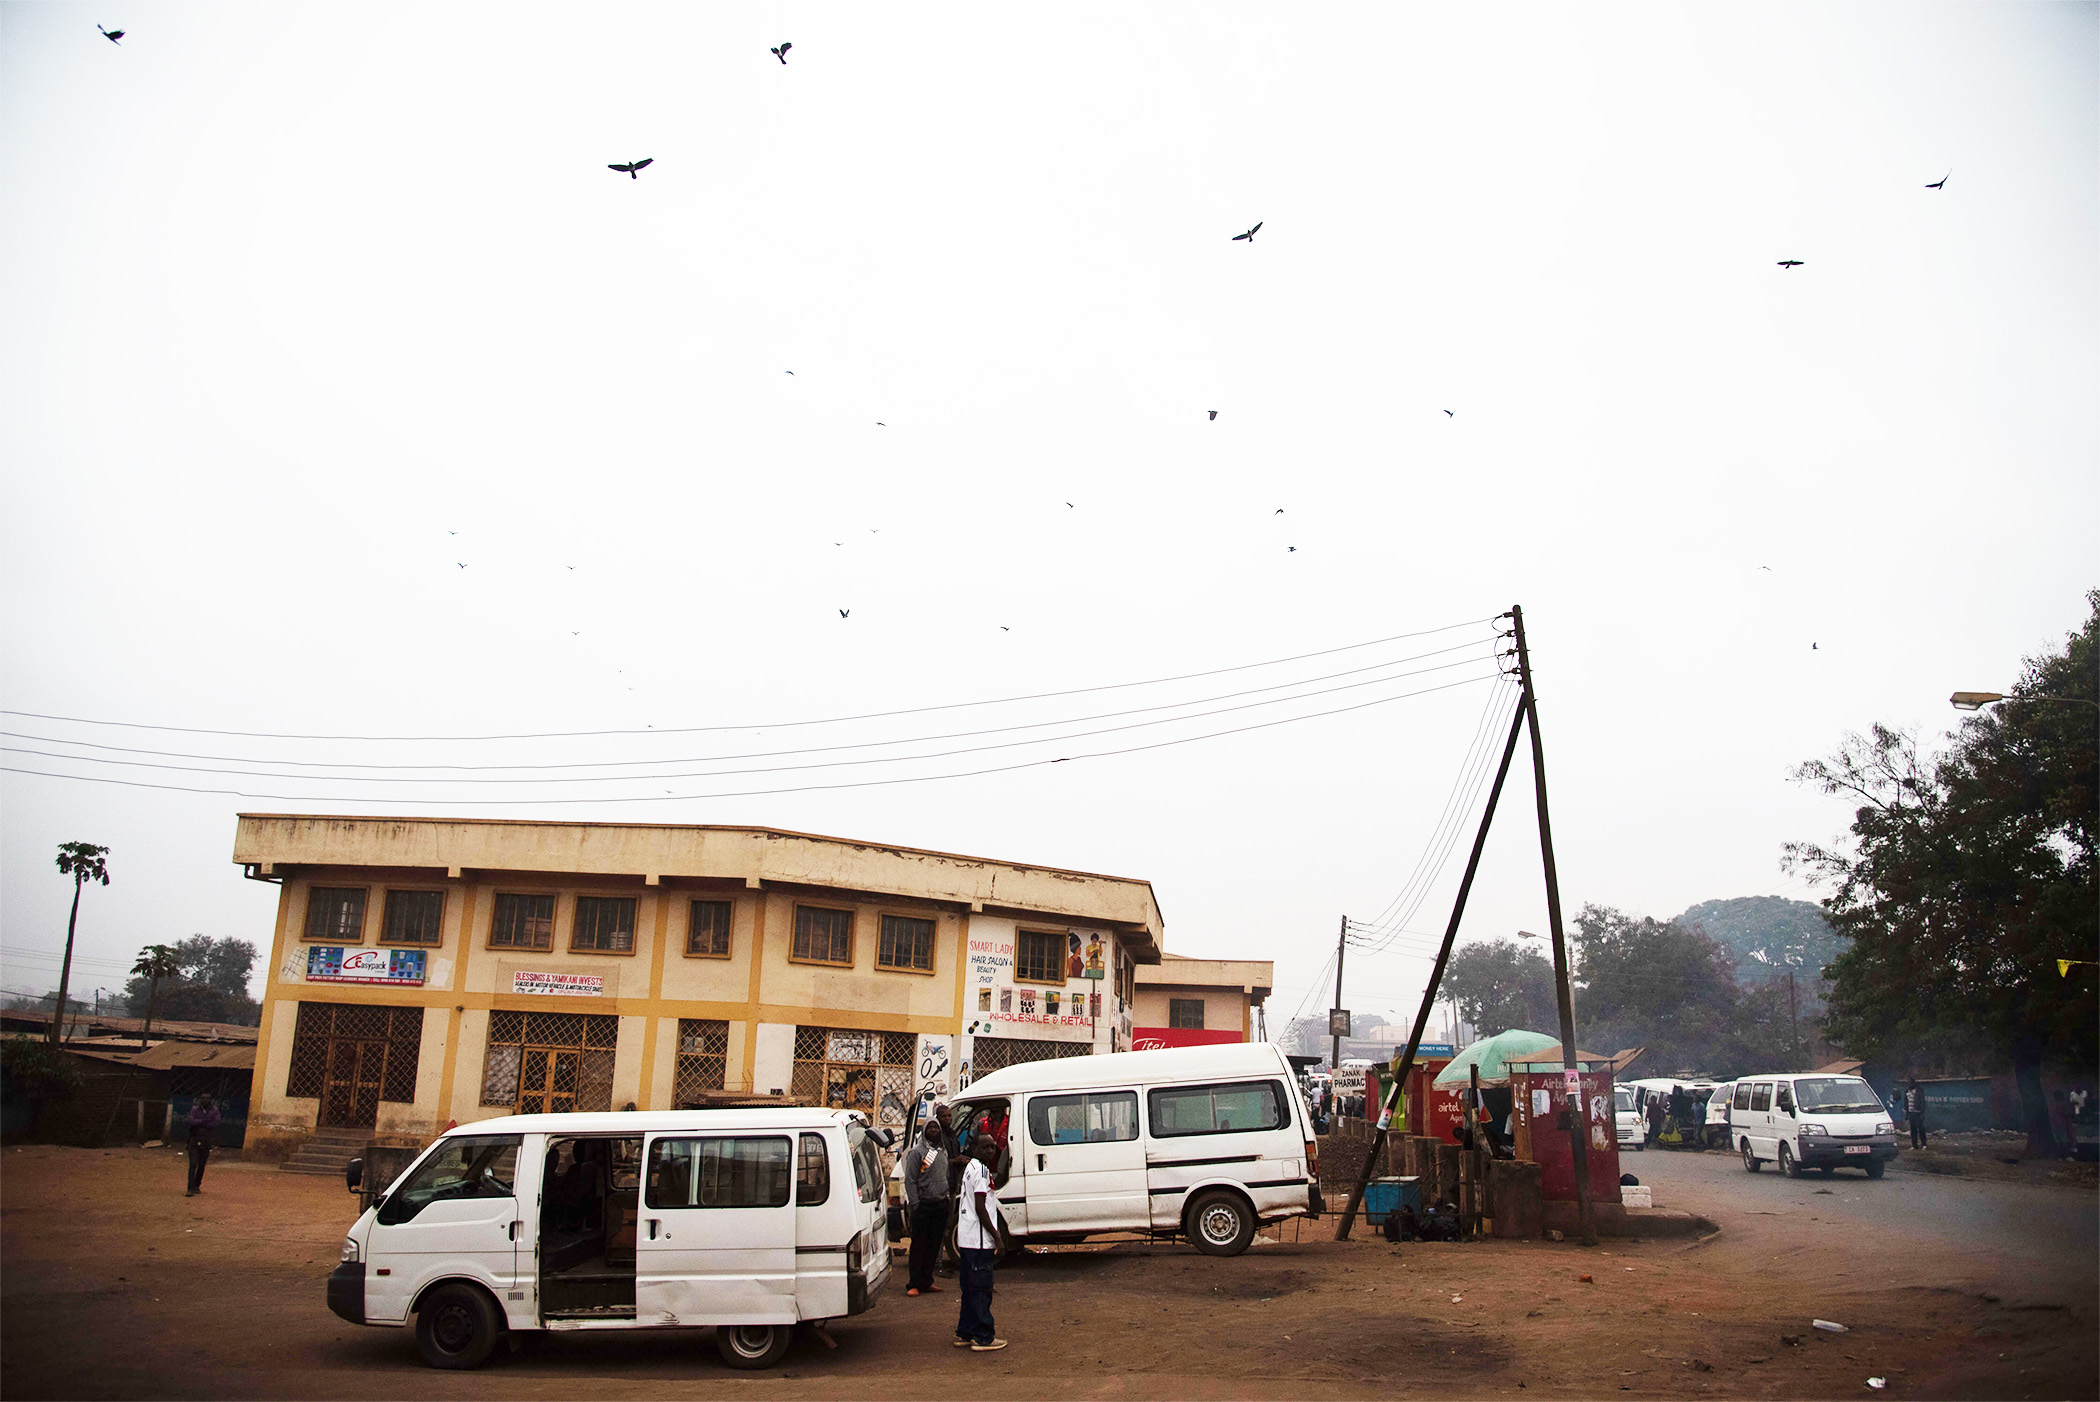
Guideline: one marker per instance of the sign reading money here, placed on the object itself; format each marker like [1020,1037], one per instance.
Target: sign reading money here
[568,985]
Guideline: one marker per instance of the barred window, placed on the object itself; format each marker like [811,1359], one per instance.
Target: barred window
[605,924]
[336,914]
[414,917]
[1039,956]
[549,1062]
[1184,1012]
[522,922]
[825,936]
[708,931]
[852,1069]
[906,944]
[703,1055]
[353,1055]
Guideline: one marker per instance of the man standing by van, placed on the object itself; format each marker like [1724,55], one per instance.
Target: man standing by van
[1914,1111]
[977,1238]
[926,1195]
[204,1128]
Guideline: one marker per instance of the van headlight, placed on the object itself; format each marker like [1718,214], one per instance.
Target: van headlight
[1813,1129]
[350,1248]
[1885,1127]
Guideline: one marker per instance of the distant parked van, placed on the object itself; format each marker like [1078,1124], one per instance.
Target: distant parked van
[1204,1142]
[1632,1129]
[1811,1121]
[748,1221]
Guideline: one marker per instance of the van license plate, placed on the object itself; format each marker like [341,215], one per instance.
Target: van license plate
[1859,1148]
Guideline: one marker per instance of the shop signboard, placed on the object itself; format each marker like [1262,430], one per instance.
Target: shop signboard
[335,964]
[559,985]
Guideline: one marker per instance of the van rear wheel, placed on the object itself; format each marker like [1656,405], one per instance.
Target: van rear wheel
[752,1345]
[1220,1223]
[458,1326]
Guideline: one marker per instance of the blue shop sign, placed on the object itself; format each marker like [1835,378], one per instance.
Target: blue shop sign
[334,964]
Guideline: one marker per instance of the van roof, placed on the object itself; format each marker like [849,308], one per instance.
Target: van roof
[1126,1068]
[647,1121]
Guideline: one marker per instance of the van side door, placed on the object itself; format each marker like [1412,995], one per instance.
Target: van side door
[1085,1166]
[1760,1126]
[716,1242]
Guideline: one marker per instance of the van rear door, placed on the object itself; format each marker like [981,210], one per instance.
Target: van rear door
[716,1243]
[1084,1164]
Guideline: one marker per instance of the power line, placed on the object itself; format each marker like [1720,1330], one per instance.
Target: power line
[773,725]
[754,793]
[714,759]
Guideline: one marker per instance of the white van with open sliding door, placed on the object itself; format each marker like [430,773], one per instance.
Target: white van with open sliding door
[1203,1142]
[745,1221]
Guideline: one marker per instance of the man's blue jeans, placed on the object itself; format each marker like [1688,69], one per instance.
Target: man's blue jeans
[975,1323]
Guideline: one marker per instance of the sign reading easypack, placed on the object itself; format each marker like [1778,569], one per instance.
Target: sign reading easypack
[335,964]
[562,985]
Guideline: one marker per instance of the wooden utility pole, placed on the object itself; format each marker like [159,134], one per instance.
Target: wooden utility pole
[1578,1121]
[1436,978]
[1334,1056]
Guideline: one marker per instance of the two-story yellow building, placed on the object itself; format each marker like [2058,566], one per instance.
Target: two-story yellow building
[426,971]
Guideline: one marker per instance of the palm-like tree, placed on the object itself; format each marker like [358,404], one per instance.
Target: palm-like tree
[83,862]
[156,962]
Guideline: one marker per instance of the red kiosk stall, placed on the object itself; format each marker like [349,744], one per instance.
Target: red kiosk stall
[1542,1129]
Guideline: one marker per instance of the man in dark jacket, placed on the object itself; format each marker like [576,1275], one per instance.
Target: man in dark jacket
[1914,1111]
[204,1128]
[926,1195]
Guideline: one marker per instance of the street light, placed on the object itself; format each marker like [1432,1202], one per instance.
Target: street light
[1977,700]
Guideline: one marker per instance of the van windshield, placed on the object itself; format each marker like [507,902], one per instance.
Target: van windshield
[1623,1098]
[1836,1095]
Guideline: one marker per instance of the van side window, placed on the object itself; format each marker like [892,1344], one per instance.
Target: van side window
[812,1172]
[719,1172]
[1742,1096]
[1761,1096]
[1220,1109]
[466,1166]
[1098,1118]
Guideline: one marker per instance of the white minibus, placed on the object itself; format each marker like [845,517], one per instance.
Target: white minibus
[749,1221]
[1204,1142]
[1808,1121]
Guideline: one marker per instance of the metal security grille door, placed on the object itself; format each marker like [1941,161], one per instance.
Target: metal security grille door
[352,1056]
[549,1063]
[989,1054]
[703,1055]
[848,1069]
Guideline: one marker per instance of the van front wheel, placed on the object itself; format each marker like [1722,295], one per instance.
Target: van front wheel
[1787,1166]
[458,1326]
[1220,1223]
[752,1345]
[1750,1160]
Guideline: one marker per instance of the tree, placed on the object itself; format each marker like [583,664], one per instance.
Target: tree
[1768,935]
[211,984]
[1654,983]
[83,862]
[1500,984]
[156,962]
[1965,877]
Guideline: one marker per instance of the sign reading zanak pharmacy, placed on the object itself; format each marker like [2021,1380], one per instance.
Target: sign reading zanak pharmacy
[569,985]
[334,964]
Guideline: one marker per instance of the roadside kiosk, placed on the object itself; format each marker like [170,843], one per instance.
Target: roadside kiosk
[1542,1126]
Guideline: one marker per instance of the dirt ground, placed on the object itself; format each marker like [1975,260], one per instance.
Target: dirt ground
[115,1285]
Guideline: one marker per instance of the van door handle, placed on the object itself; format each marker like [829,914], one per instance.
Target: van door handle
[1038,1163]
[652,1229]
[514,1231]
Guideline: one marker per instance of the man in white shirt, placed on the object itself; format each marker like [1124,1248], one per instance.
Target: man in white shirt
[977,1238]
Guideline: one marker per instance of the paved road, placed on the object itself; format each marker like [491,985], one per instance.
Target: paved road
[2049,1232]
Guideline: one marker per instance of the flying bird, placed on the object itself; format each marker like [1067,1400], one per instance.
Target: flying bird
[845,613]
[117,35]
[461,566]
[880,424]
[1291,549]
[1790,262]
[1766,568]
[1004,629]
[781,53]
[1279,511]
[1939,184]
[1815,647]
[633,169]
[1449,415]
[1247,237]
[1213,413]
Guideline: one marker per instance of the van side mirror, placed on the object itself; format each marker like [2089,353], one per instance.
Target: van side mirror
[1786,1102]
[354,1174]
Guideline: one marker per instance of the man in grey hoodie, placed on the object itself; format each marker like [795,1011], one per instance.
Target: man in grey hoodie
[926,1195]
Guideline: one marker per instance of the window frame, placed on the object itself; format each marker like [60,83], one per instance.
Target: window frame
[728,930]
[1175,1011]
[933,941]
[1761,1091]
[364,916]
[852,935]
[1279,1102]
[634,928]
[386,911]
[553,920]
[787,1178]
[821,1192]
[1062,937]
[1044,1100]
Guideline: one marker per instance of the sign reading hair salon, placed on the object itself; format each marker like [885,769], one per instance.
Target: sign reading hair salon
[561,985]
[335,964]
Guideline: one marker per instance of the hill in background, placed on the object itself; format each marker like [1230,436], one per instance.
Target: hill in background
[1768,935]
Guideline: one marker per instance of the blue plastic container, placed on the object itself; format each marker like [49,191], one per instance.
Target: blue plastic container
[1385,1196]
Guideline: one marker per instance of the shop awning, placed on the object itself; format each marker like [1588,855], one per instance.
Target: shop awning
[1492,1055]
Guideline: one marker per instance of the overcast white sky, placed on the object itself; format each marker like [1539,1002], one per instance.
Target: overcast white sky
[293,294]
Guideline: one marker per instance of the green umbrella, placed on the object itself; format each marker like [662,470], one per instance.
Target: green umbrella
[1492,1056]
